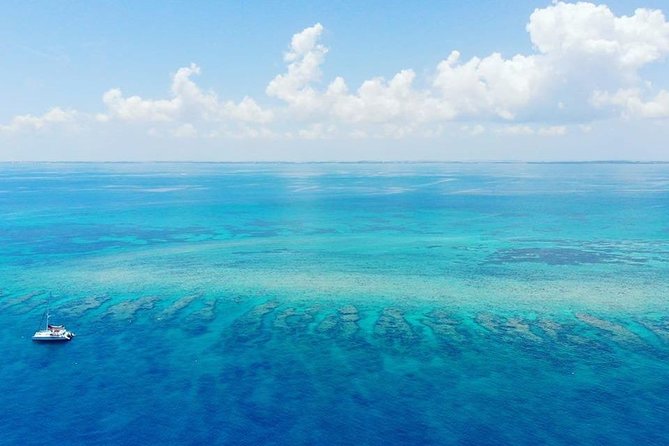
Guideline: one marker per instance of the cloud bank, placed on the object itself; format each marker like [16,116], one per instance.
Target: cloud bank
[586,66]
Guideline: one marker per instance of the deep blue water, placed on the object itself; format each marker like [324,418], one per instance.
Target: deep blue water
[367,304]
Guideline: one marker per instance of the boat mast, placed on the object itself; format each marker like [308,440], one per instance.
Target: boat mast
[48,304]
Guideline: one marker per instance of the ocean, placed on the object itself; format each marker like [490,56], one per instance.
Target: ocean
[336,303]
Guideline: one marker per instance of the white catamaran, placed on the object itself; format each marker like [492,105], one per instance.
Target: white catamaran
[51,332]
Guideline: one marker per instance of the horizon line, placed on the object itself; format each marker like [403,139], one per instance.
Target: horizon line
[338,162]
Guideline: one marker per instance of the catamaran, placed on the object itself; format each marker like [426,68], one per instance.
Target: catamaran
[51,332]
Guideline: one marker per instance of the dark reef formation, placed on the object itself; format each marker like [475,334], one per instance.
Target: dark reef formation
[178,305]
[84,305]
[126,310]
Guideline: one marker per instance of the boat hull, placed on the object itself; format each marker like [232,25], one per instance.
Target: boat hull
[51,339]
[53,335]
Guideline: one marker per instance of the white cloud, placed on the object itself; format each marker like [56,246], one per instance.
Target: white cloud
[525,130]
[581,48]
[492,86]
[473,130]
[305,57]
[247,110]
[586,31]
[553,130]
[632,104]
[516,130]
[54,117]
[375,101]
[587,64]
[316,131]
[188,103]
[185,131]
[134,108]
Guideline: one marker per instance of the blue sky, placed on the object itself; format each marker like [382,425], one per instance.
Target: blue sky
[334,80]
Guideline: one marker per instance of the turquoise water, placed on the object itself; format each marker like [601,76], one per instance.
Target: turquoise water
[336,303]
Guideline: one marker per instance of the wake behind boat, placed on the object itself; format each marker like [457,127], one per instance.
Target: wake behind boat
[52,333]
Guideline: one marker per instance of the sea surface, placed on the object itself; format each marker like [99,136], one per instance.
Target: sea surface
[336,304]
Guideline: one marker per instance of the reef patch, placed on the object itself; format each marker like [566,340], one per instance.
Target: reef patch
[84,305]
[178,305]
[128,309]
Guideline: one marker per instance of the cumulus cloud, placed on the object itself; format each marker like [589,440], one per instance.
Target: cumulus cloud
[581,47]
[375,101]
[188,103]
[379,107]
[631,103]
[54,117]
[492,86]
[589,51]
[585,31]
[582,50]
[587,64]
[305,58]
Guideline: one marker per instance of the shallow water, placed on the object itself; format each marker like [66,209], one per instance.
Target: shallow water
[336,303]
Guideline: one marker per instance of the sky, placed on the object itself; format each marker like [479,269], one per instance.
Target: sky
[334,80]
